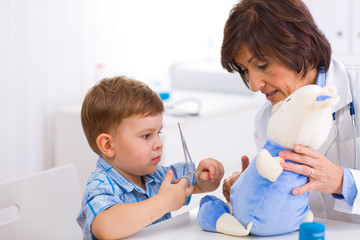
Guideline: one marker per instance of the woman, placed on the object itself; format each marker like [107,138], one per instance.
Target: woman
[277,48]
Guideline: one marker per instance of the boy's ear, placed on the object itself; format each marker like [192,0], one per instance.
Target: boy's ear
[105,144]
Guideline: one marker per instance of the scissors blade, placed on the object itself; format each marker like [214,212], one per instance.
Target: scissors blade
[188,159]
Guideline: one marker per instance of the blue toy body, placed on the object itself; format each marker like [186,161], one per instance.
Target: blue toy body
[270,206]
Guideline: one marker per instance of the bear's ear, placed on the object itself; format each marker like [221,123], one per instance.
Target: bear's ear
[330,88]
[327,98]
[276,107]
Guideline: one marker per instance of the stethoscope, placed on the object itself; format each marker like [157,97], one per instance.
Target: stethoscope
[321,81]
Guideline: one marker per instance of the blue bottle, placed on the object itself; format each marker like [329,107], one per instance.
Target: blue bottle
[312,231]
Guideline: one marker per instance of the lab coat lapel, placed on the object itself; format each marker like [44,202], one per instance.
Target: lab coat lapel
[337,76]
[330,140]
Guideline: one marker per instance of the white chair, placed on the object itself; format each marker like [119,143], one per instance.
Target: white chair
[46,205]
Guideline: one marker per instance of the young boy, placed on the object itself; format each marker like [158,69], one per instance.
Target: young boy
[122,119]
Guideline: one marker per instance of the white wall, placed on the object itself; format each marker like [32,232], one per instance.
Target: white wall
[340,21]
[143,38]
[45,63]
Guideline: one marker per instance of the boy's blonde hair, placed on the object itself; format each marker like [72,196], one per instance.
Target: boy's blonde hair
[112,100]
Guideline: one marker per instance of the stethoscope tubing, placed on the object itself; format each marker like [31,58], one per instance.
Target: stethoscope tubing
[355,141]
[337,140]
[321,81]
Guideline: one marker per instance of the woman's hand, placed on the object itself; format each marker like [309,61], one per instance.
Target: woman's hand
[324,176]
[232,179]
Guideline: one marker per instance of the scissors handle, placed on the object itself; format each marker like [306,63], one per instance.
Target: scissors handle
[196,175]
[188,180]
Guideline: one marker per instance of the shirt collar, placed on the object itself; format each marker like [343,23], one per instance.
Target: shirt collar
[128,186]
[274,148]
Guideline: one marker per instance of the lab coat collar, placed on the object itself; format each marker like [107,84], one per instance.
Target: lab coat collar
[338,77]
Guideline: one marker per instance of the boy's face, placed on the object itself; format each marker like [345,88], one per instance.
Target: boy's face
[138,146]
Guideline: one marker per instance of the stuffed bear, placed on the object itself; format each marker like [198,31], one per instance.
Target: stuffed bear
[261,200]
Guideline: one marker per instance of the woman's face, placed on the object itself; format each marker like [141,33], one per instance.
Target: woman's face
[271,77]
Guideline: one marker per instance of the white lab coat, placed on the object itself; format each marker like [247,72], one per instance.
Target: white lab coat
[347,82]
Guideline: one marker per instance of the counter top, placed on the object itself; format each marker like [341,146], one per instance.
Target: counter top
[185,226]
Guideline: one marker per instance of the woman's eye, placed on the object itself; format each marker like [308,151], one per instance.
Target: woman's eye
[245,70]
[245,74]
[263,66]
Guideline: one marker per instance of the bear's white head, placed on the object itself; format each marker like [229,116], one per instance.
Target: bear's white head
[304,117]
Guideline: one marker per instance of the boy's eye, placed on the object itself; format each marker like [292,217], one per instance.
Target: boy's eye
[146,136]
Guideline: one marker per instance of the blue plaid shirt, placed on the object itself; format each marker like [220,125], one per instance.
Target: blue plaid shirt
[106,187]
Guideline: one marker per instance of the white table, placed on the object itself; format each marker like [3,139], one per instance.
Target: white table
[185,227]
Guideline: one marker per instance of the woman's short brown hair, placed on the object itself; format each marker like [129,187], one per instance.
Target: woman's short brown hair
[280,29]
[112,100]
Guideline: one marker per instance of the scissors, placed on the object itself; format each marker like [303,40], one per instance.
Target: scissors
[190,166]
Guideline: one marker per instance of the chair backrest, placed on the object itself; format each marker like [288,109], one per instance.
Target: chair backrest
[47,204]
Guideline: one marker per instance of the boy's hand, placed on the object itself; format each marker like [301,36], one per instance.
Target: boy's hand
[173,196]
[211,173]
